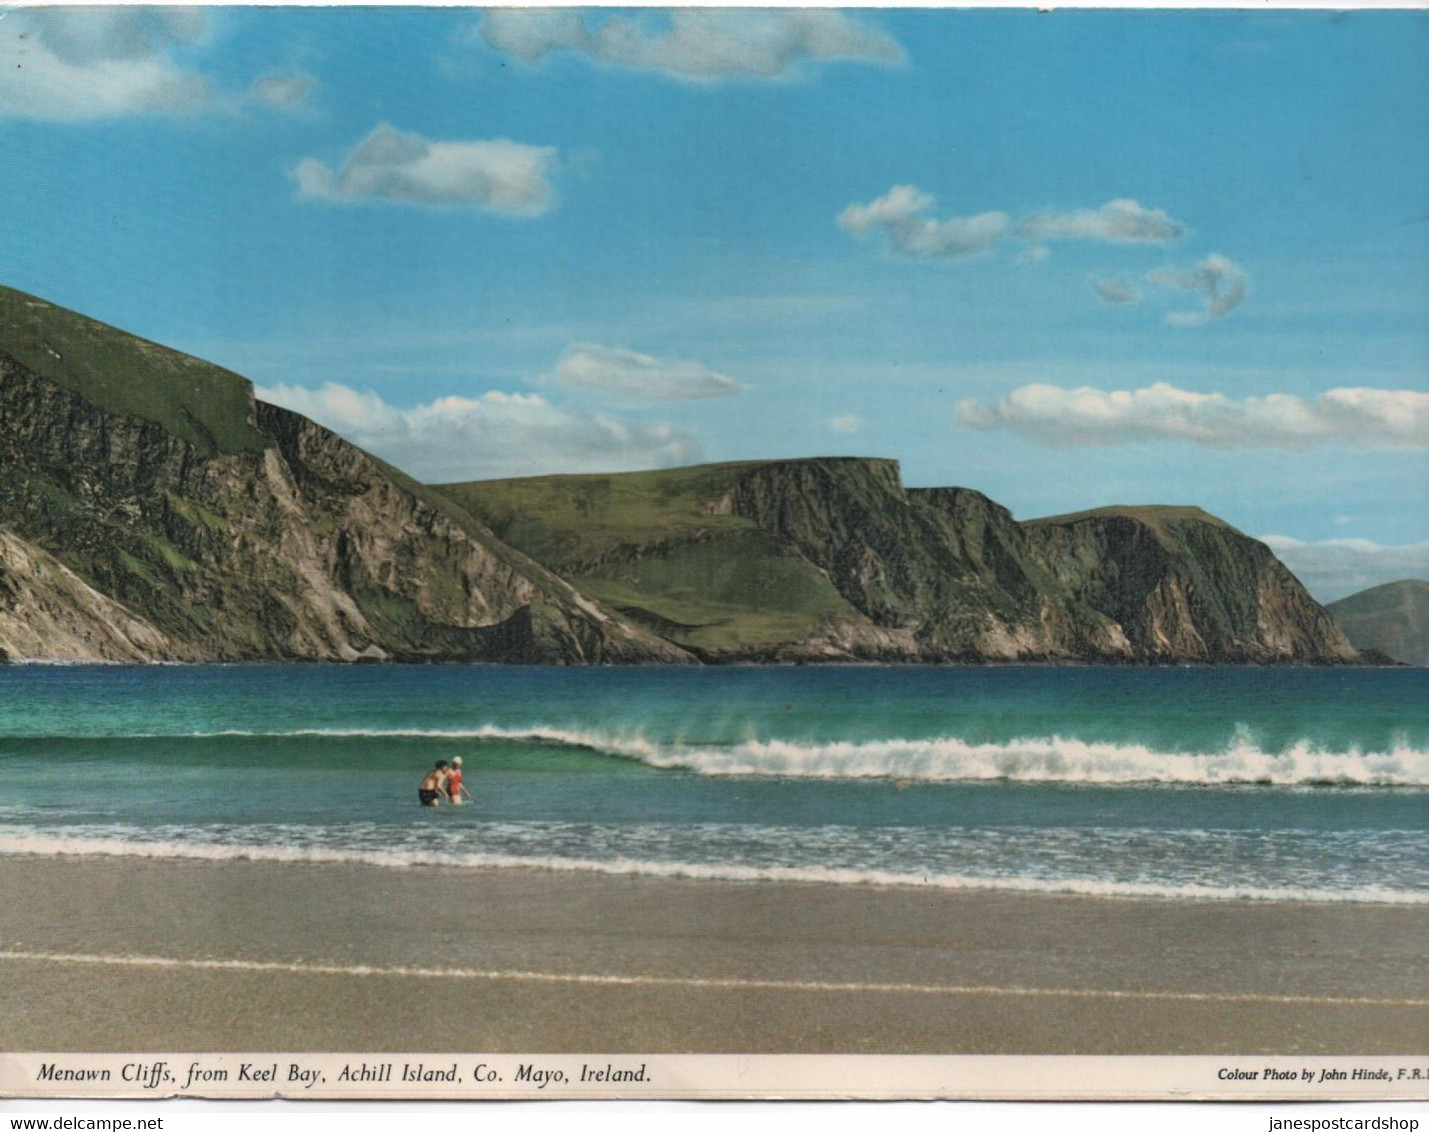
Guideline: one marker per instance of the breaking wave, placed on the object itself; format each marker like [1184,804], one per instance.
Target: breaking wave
[947,759]
[1054,759]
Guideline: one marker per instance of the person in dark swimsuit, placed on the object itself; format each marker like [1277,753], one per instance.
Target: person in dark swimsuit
[434,785]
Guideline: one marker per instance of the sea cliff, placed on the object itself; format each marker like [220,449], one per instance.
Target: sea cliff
[834,560]
[151,509]
[195,523]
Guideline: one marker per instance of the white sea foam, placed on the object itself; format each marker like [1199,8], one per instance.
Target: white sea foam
[1055,759]
[44,844]
[1052,758]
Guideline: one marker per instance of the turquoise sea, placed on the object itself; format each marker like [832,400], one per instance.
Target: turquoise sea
[1182,783]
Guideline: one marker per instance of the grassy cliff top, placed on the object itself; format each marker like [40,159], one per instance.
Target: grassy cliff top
[1157,516]
[558,517]
[663,547]
[690,480]
[1168,524]
[194,400]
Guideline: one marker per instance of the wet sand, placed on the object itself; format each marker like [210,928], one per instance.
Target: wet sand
[132,954]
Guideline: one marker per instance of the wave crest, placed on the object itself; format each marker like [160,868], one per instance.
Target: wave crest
[1048,759]
[1033,759]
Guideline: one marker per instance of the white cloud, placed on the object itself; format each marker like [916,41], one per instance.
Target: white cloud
[1117,222]
[1219,279]
[1115,291]
[497,175]
[1338,567]
[71,64]
[639,377]
[492,436]
[899,212]
[690,43]
[848,422]
[529,33]
[1357,418]
[282,90]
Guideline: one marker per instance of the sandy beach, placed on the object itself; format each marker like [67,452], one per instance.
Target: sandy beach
[132,954]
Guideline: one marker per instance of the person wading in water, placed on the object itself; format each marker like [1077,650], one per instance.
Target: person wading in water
[454,787]
[434,785]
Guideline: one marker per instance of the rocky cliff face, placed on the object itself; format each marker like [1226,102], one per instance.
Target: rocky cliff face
[1184,586]
[124,541]
[47,612]
[929,575]
[150,509]
[947,573]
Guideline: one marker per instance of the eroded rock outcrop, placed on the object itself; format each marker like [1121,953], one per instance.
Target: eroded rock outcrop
[833,559]
[267,537]
[1183,586]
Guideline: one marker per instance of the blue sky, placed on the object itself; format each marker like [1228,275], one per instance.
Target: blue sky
[1070,259]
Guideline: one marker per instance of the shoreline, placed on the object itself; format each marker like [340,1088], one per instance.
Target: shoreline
[153,954]
[688,874]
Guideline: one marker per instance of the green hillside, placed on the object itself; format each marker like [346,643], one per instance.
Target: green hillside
[663,548]
[199,402]
[822,558]
[827,558]
[577,518]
